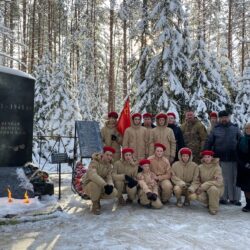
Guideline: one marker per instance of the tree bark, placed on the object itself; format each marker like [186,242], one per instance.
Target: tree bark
[111,96]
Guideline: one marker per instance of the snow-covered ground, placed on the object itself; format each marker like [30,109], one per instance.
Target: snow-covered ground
[128,227]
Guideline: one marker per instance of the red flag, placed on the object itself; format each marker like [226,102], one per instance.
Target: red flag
[124,119]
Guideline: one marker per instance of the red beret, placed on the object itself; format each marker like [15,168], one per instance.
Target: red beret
[144,161]
[161,115]
[147,115]
[136,115]
[156,145]
[187,151]
[171,113]
[207,152]
[112,114]
[110,149]
[213,114]
[127,150]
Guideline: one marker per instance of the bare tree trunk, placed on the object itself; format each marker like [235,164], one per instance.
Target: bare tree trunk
[32,56]
[50,29]
[229,36]
[111,96]
[144,37]
[12,14]
[243,30]
[125,67]
[5,49]
[24,49]
[204,20]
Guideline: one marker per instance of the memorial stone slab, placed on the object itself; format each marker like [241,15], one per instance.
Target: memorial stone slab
[16,117]
[89,138]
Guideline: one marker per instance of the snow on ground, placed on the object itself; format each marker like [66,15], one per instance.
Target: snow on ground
[129,227]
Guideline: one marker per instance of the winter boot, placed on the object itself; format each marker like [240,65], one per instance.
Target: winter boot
[247,207]
[179,202]
[96,208]
[212,212]
[121,201]
[186,202]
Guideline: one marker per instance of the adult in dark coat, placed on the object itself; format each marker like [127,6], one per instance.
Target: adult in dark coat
[177,133]
[223,140]
[243,177]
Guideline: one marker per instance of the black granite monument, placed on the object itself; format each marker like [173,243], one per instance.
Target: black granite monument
[16,117]
[16,126]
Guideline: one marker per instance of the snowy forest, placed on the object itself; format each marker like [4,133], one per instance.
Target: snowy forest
[166,55]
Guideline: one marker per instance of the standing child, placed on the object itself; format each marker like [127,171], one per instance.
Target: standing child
[211,181]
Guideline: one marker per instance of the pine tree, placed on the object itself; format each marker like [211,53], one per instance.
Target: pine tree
[242,107]
[207,92]
[162,87]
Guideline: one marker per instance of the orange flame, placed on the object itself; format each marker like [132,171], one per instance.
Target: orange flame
[26,198]
[9,195]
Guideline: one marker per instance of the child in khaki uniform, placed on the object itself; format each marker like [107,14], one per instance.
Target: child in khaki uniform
[211,181]
[185,176]
[148,193]
[124,176]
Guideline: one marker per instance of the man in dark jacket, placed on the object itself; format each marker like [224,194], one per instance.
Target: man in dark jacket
[177,133]
[223,140]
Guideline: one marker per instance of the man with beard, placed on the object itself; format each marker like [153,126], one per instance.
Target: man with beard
[110,135]
[194,133]
[223,140]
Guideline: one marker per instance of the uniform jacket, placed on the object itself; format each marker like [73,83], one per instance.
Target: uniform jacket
[136,137]
[160,167]
[98,172]
[147,182]
[122,168]
[211,175]
[194,137]
[164,135]
[106,133]
[186,174]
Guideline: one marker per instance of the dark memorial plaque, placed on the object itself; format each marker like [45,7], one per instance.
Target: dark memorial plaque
[16,117]
[89,137]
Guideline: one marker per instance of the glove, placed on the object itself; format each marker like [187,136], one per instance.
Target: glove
[149,195]
[140,169]
[131,182]
[154,197]
[113,137]
[108,189]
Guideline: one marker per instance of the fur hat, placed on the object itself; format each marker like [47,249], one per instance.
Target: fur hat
[223,113]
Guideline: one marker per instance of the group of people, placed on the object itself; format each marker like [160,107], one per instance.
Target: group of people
[151,163]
